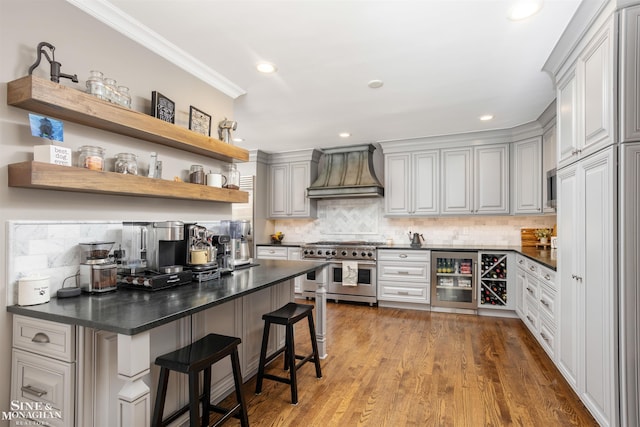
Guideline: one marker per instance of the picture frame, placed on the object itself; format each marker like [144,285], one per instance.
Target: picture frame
[162,107]
[199,121]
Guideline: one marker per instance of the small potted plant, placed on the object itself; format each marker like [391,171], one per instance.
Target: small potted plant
[543,235]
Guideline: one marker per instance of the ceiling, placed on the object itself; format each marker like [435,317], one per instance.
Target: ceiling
[444,63]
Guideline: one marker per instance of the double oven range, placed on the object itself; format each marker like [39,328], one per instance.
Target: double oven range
[347,257]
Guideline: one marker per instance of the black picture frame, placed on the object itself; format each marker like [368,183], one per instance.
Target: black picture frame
[162,107]
[199,121]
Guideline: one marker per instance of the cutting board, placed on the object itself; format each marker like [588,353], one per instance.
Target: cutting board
[528,237]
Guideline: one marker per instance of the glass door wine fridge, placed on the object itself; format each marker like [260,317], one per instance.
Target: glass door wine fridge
[453,280]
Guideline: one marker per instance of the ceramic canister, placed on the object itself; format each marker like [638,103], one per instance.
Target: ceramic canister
[33,290]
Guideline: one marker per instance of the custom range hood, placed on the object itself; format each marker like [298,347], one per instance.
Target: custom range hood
[346,172]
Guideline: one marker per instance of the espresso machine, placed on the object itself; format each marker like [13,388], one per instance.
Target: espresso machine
[153,255]
[223,245]
[201,254]
[239,233]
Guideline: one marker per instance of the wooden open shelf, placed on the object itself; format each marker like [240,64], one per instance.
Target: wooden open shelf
[53,99]
[68,178]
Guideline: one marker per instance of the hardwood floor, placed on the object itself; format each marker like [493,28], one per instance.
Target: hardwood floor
[389,367]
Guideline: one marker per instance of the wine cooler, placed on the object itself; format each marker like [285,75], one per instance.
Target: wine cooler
[453,280]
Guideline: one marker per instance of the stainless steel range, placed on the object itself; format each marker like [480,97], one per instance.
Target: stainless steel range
[352,272]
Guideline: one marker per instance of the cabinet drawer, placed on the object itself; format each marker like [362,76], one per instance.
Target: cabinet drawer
[531,289]
[531,318]
[547,302]
[407,293]
[41,379]
[547,277]
[43,337]
[404,271]
[547,335]
[273,252]
[404,255]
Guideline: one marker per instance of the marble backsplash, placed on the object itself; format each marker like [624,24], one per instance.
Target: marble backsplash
[363,219]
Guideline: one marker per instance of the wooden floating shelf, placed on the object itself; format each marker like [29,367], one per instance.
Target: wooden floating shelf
[68,178]
[66,103]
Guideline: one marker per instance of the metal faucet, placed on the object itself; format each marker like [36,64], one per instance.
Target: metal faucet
[55,66]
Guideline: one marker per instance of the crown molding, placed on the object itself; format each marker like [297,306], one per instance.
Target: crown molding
[115,18]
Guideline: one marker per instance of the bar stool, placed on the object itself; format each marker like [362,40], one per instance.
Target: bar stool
[288,316]
[191,360]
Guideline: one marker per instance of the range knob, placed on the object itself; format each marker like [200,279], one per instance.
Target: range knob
[344,253]
[333,253]
[306,252]
[363,254]
[311,252]
[354,253]
[369,254]
[327,253]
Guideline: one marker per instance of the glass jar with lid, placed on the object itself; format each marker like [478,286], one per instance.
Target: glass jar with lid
[126,163]
[95,84]
[233,177]
[111,90]
[91,157]
[124,97]
[196,174]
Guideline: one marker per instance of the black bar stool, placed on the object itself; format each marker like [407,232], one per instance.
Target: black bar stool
[288,316]
[191,360]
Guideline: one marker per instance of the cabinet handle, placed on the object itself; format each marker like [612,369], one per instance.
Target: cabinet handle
[403,272]
[403,255]
[520,261]
[33,390]
[403,292]
[547,277]
[530,320]
[41,338]
[546,304]
[532,268]
[529,290]
[271,251]
[544,337]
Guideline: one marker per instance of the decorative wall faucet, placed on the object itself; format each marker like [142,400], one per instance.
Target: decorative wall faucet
[55,66]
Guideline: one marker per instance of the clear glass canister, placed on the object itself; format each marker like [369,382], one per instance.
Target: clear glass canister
[95,84]
[126,163]
[91,157]
[124,97]
[233,177]
[196,174]
[111,91]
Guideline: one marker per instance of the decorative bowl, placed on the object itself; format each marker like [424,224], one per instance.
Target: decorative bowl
[277,238]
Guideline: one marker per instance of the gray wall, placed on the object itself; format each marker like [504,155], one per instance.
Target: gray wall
[83,44]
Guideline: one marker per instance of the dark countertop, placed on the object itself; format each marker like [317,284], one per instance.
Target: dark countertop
[130,312]
[546,257]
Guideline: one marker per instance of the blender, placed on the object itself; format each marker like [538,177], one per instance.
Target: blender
[98,272]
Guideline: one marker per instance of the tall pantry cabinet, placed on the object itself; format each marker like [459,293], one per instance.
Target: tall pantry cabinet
[597,114]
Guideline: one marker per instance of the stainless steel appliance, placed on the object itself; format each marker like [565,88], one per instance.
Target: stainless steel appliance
[352,272]
[239,232]
[453,280]
[223,245]
[200,253]
[98,272]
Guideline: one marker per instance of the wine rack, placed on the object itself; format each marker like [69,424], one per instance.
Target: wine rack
[493,280]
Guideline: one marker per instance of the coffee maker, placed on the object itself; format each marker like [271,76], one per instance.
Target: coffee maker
[98,271]
[224,259]
[153,255]
[200,253]
[239,232]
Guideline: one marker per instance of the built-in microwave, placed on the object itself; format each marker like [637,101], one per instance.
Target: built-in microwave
[552,188]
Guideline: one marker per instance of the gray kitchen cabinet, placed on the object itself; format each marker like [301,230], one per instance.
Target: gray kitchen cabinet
[43,370]
[526,176]
[475,180]
[404,277]
[629,72]
[586,98]
[587,349]
[289,177]
[412,183]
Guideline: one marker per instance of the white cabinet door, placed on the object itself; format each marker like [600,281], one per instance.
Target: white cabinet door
[587,330]
[491,176]
[629,72]
[299,176]
[527,177]
[279,188]
[567,104]
[397,174]
[412,183]
[457,180]
[569,326]
[426,183]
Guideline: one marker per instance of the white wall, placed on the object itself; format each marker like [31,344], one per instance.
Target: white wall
[83,44]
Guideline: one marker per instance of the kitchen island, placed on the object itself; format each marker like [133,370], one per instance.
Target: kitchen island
[140,318]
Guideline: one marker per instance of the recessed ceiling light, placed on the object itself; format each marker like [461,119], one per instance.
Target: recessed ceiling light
[522,9]
[344,134]
[266,67]
[375,84]
[238,139]
[486,117]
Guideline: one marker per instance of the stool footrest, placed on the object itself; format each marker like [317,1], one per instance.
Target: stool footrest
[277,378]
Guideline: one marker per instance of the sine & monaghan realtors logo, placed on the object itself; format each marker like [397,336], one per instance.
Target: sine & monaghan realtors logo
[30,413]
